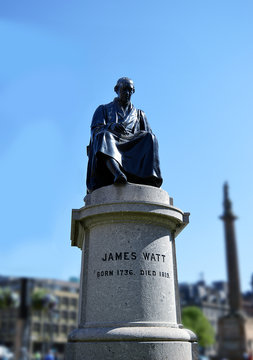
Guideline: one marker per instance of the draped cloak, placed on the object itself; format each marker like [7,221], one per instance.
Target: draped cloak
[136,151]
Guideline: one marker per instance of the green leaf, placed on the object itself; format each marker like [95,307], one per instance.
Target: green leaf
[194,319]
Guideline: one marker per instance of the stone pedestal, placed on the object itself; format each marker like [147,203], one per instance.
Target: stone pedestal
[129,305]
[235,336]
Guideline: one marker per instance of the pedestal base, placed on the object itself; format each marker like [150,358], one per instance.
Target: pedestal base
[132,350]
[235,336]
[136,341]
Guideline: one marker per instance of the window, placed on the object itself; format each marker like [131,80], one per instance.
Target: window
[73,315]
[36,327]
[64,329]
[73,302]
[64,300]
[56,329]
[46,327]
[64,315]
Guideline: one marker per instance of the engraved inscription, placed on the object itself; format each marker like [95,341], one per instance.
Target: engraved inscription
[104,273]
[125,272]
[128,257]
[119,256]
[153,257]
[155,273]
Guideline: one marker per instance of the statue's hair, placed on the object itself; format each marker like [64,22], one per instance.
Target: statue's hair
[121,81]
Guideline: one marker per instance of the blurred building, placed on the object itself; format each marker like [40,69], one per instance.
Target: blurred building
[43,329]
[213,301]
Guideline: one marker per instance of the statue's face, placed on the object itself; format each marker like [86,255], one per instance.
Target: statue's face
[125,91]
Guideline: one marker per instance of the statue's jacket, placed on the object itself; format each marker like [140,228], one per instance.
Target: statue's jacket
[136,151]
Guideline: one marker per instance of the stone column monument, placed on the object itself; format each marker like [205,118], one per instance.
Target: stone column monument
[129,304]
[235,330]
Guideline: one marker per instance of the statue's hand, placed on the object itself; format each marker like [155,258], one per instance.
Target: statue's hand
[118,128]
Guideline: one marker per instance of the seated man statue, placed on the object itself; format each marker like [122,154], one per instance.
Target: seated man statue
[122,147]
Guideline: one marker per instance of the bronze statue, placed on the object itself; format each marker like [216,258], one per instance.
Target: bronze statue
[122,147]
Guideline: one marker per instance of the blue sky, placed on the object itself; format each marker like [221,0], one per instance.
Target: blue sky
[191,62]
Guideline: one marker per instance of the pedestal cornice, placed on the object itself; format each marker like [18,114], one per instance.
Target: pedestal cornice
[123,204]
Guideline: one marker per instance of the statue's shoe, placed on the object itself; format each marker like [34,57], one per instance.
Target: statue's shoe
[120,178]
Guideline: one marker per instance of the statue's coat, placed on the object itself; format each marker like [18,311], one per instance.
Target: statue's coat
[136,151]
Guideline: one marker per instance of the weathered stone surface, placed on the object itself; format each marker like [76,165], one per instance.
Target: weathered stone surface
[125,350]
[129,306]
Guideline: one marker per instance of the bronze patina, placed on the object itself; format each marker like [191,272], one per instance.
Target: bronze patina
[122,146]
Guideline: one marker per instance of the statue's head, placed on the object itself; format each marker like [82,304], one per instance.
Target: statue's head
[124,81]
[124,88]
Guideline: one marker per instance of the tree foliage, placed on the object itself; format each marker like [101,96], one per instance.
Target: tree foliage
[8,298]
[42,300]
[38,299]
[194,319]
